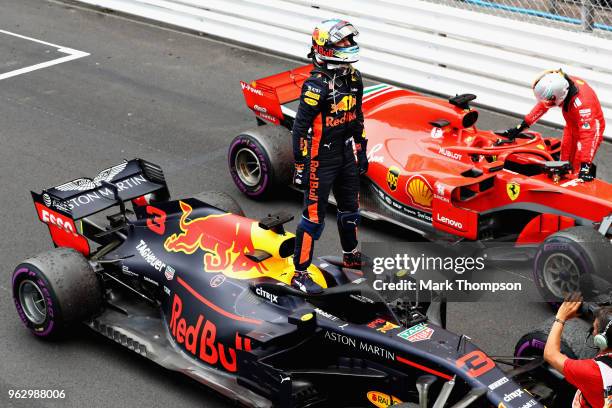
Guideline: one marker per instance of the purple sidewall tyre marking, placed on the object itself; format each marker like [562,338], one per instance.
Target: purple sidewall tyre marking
[262,187]
[17,273]
[535,343]
[49,322]
[551,246]
[521,349]
[46,331]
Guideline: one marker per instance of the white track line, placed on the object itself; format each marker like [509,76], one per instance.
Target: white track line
[72,55]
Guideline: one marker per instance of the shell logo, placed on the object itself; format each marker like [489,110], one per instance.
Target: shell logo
[419,191]
[382,400]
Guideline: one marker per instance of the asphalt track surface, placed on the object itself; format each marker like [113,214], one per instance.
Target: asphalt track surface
[171,98]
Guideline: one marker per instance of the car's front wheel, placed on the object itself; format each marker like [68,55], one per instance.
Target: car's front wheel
[545,380]
[54,290]
[565,260]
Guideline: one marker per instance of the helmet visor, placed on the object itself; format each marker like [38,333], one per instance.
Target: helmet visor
[341,31]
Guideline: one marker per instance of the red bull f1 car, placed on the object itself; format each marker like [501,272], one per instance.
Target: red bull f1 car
[434,172]
[195,286]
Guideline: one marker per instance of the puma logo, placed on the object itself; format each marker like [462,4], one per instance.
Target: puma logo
[283,379]
[328,145]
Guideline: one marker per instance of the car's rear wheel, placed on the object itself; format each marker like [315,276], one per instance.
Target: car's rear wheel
[566,258]
[55,289]
[573,345]
[261,159]
[221,200]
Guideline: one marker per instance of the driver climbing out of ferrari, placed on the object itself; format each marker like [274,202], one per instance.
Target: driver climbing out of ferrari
[332,155]
[584,120]
[592,377]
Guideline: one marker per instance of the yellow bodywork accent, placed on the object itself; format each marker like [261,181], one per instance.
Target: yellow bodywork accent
[306,317]
[276,267]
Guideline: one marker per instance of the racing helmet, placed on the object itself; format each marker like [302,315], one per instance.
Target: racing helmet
[325,37]
[551,87]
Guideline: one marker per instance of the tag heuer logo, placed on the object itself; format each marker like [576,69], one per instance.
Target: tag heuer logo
[514,190]
[169,273]
[420,332]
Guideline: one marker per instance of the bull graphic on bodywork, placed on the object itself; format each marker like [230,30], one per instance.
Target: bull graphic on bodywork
[225,239]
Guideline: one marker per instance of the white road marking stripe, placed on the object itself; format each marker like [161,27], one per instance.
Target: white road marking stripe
[72,55]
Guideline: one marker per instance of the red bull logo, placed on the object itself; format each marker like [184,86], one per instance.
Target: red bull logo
[347,103]
[225,239]
[201,340]
[347,117]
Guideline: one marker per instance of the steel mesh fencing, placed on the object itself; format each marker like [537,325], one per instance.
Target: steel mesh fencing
[592,16]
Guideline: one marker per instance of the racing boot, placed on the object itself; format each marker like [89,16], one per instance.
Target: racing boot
[303,281]
[354,260]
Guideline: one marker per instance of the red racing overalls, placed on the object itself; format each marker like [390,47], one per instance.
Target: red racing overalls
[584,123]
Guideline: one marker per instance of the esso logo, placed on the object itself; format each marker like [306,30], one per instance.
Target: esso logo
[54,219]
[260,109]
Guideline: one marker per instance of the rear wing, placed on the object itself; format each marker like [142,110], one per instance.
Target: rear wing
[266,96]
[62,206]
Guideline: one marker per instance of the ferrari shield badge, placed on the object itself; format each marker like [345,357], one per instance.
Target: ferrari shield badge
[514,190]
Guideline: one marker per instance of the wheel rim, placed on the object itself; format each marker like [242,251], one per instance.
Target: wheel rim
[248,167]
[32,301]
[561,275]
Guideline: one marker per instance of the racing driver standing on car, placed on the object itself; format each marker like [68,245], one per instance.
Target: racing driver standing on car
[584,120]
[333,155]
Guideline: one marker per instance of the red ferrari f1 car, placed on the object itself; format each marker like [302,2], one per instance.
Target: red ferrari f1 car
[205,292]
[432,171]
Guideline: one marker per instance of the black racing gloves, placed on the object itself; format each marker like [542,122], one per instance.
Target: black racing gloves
[362,156]
[512,133]
[588,171]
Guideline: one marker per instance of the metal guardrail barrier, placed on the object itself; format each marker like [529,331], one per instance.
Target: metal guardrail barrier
[420,44]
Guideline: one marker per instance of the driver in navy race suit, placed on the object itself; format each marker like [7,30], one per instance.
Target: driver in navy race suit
[329,146]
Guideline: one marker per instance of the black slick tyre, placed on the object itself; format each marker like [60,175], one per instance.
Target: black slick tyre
[54,290]
[260,160]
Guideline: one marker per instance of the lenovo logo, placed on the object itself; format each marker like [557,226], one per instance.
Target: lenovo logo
[451,223]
